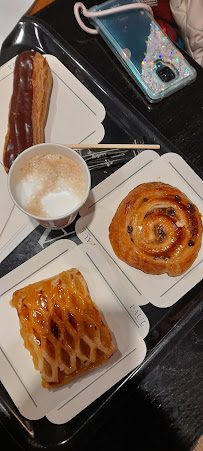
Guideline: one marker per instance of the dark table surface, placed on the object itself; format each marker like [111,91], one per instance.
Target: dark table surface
[164,409]
[179,117]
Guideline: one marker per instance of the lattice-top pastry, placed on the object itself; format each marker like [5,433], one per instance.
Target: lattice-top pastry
[62,328]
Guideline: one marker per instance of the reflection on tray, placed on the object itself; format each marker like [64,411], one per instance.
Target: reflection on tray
[98,159]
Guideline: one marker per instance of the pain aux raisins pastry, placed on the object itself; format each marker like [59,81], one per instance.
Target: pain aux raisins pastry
[62,328]
[32,83]
[157,230]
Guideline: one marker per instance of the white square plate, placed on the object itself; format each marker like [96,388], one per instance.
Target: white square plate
[97,213]
[18,375]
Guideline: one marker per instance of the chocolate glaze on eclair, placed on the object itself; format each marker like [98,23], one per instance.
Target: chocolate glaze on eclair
[28,106]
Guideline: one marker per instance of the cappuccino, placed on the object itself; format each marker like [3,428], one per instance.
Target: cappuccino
[50,185]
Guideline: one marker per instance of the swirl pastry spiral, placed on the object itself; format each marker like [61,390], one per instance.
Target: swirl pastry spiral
[157,230]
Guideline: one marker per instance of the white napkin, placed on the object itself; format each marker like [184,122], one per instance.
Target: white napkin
[10,13]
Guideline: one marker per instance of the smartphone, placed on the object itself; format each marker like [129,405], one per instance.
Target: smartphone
[146,52]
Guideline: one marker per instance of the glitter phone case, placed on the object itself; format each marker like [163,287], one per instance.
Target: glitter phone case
[145,51]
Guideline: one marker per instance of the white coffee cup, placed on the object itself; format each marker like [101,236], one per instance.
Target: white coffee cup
[67,218]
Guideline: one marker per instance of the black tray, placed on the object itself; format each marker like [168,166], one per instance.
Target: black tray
[123,123]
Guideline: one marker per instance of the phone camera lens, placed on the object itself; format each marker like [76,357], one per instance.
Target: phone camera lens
[165,74]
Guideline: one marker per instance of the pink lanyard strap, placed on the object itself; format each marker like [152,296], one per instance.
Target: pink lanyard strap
[80,7]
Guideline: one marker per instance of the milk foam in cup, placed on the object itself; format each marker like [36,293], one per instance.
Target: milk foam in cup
[50,183]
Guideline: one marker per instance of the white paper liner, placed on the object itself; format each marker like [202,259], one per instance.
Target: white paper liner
[162,290]
[18,375]
[33,265]
[17,228]
[6,204]
[75,116]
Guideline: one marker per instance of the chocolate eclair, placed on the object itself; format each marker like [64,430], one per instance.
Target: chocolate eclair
[32,83]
